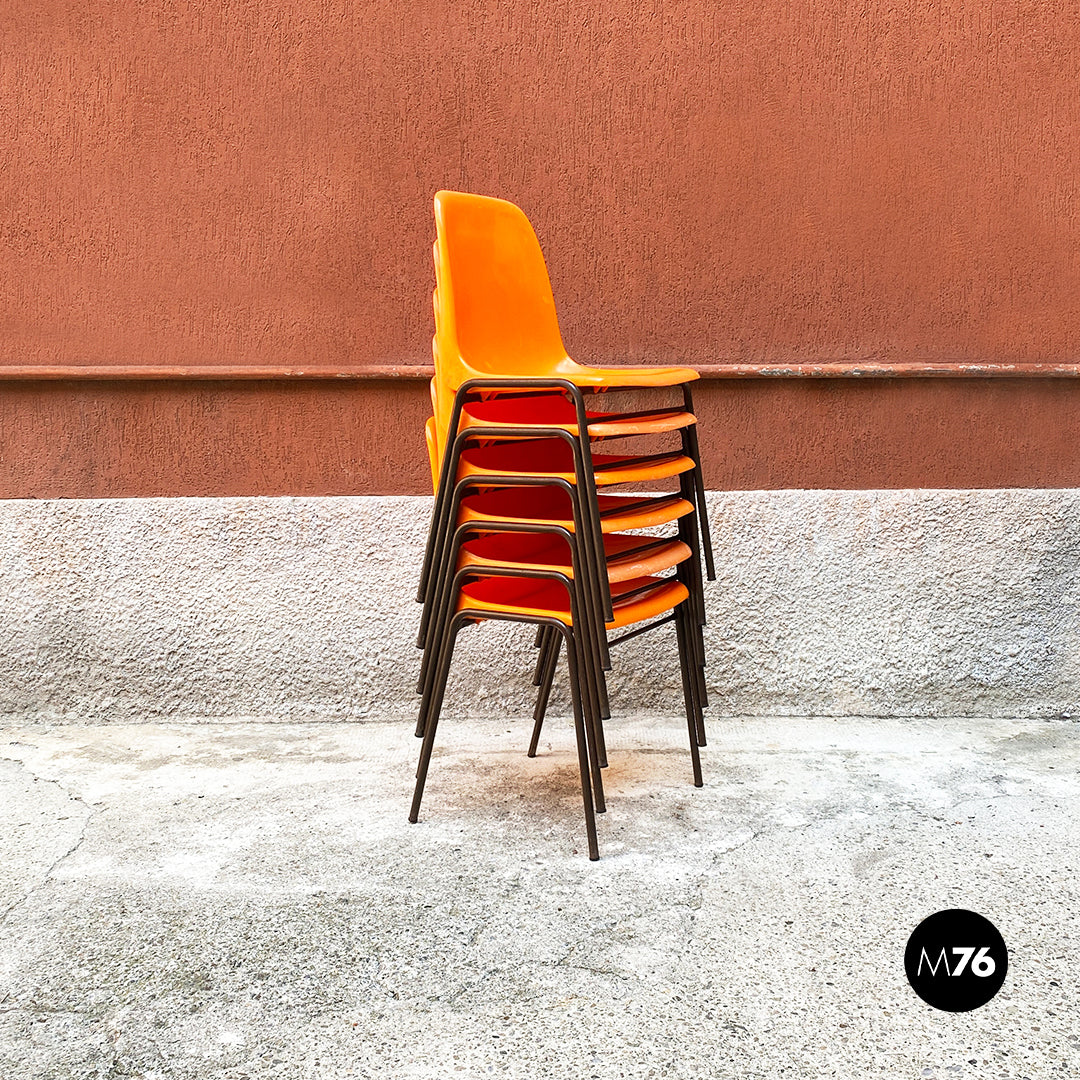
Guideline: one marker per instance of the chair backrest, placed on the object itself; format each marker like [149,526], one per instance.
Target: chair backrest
[434,457]
[495,300]
[494,310]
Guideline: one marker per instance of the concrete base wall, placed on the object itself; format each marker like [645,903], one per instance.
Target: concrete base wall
[891,603]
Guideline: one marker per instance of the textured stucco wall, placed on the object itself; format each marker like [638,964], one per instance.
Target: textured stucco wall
[891,603]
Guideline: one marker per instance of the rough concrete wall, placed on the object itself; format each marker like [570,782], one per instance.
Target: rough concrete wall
[932,603]
[250,181]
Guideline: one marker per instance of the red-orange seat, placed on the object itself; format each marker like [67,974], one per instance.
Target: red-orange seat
[546,599]
[551,505]
[626,556]
[553,457]
[554,410]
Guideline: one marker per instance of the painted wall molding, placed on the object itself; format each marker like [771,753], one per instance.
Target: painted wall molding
[854,369]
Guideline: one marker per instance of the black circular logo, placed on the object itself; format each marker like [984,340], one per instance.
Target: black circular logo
[956,960]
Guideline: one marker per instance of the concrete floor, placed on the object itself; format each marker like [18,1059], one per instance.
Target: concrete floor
[246,900]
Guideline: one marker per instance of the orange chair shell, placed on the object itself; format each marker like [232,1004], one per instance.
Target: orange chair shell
[530,598]
[495,309]
[553,457]
[539,551]
[555,411]
[551,506]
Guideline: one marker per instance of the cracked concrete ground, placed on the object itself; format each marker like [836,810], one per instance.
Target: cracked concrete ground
[247,901]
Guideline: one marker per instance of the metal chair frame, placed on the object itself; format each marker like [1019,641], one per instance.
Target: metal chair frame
[587,758]
[582,493]
[587,474]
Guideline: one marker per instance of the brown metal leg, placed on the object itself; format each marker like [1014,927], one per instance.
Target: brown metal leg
[543,644]
[431,722]
[689,695]
[583,753]
[547,678]
[690,442]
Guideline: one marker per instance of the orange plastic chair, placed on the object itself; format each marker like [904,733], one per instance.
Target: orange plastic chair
[503,376]
[495,312]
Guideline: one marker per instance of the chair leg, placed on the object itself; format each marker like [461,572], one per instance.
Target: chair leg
[434,643]
[690,569]
[548,676]
[429,551]
[583,753]
[594,719]
[693,631]
[688,534]
[431,722]
[581,684]
[428,675]
[594,537]
[440,571]
[591,588]
[542,643]
[595,697]
[591,573]
[594,687]
[596,644]
[695,643]
[440,602]
[693,712]
[429,584]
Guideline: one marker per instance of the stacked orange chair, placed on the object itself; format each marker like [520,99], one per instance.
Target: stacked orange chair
[526,526]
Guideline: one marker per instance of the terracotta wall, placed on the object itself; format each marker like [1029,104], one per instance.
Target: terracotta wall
[98,439]
[248,182]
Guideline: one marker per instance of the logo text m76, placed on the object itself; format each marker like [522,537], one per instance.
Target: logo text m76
[983,964]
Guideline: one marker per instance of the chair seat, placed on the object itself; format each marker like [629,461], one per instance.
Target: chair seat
[554,410]
[533,598]
[552,506]
[627,556]
[628,375]
[553,457]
